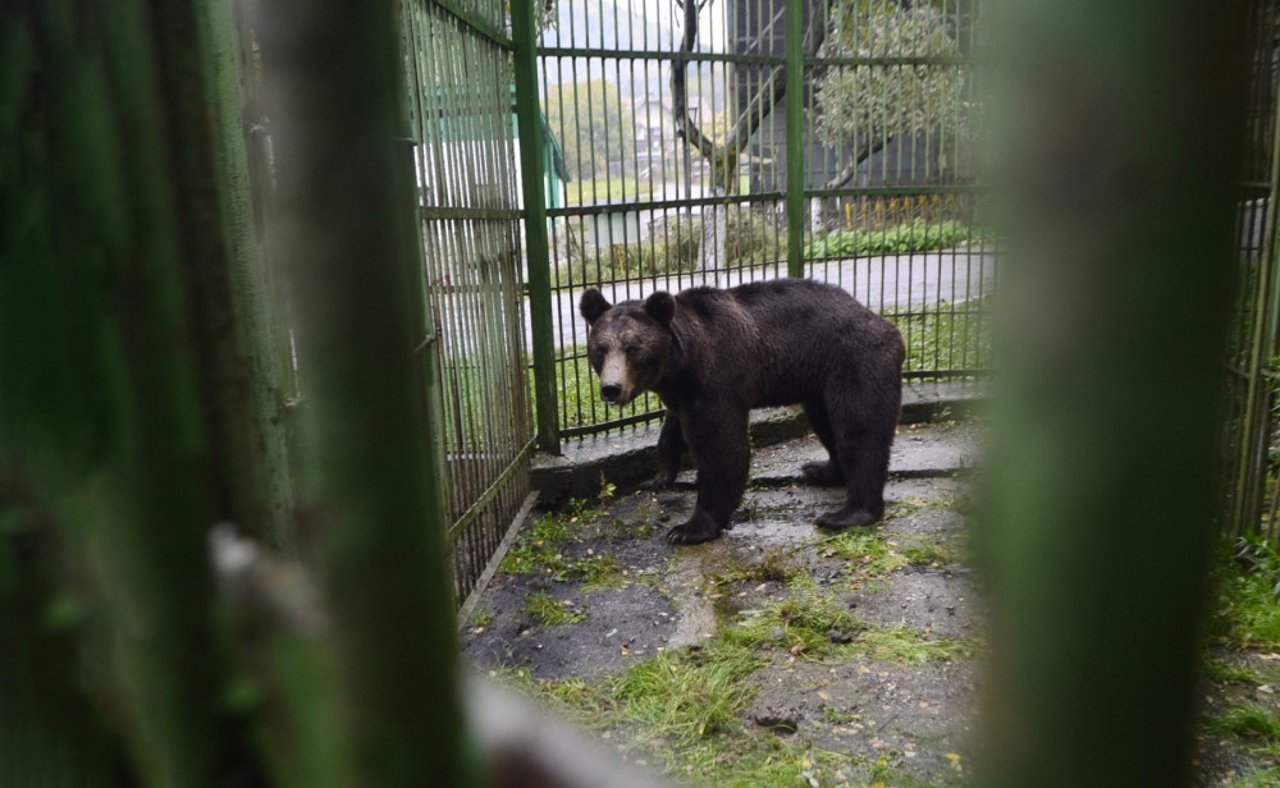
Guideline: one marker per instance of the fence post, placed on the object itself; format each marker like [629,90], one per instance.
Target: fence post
[524,33]
[794,29]
[1117,142]
[372,484]
[264,505]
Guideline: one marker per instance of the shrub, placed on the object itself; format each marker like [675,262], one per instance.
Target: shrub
[914,236]
[752,237]
[672,247]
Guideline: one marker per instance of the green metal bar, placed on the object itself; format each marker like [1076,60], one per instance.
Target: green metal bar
[663,56]
[628,207]
[794,30]
[265,506]
[529,118]
[371,478]
[894,191]
[1119,150]
[433,212]
[109,438]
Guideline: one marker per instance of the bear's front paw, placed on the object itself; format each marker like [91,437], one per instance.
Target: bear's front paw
[700,528]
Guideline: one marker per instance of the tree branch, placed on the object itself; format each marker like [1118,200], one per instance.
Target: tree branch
[868,150]
[748,122]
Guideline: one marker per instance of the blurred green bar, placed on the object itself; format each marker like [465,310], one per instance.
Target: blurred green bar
[1119,127]
[372,488]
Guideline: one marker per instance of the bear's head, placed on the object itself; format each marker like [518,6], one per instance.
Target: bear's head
[629,344]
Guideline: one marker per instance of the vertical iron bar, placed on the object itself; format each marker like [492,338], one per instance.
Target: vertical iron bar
[794,30]
[529,119]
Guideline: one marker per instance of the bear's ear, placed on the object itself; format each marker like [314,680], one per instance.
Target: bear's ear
[593,305]
[661,307]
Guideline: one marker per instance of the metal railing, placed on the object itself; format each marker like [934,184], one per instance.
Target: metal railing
[734,140]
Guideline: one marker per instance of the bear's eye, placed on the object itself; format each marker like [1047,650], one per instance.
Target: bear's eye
[632,351]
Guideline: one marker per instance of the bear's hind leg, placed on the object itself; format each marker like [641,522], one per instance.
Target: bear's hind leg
[826,474]
[863,434]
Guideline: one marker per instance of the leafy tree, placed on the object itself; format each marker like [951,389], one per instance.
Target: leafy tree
[866,107]
[592,124]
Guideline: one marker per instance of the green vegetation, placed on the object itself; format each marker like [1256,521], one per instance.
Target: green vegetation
[913,236]
[672,247]
[945,335]
[1247,613]
[810,625]
[930,552]
[874,554]
[539,550]
[683,712]
[1219,669]
[549,612]
[870,552]
[1248,721]
[590,120]
[688,697]
[615,189]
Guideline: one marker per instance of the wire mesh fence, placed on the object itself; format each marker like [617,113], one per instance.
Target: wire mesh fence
[1251,439]
[702,145]
[463,134]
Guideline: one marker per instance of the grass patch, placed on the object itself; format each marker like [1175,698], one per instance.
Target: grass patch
[1219,669]
[1263,778]
[931,553]
[870,552]
[550,612]
[806,624]
[1247,610]
[908,646]
[683,713]
[689,696]
[540,550]
[776,566]
[482,618]
[813,626]
[1247,721]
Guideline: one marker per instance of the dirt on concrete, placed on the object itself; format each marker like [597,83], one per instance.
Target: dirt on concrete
[893,685]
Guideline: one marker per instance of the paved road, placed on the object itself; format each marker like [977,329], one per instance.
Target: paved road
[888,283]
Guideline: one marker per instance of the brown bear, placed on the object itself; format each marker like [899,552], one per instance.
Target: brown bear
[712,355]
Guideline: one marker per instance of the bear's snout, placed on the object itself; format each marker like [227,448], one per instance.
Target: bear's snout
[610,392]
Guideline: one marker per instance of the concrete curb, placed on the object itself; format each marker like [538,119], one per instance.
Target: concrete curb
[629,458]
